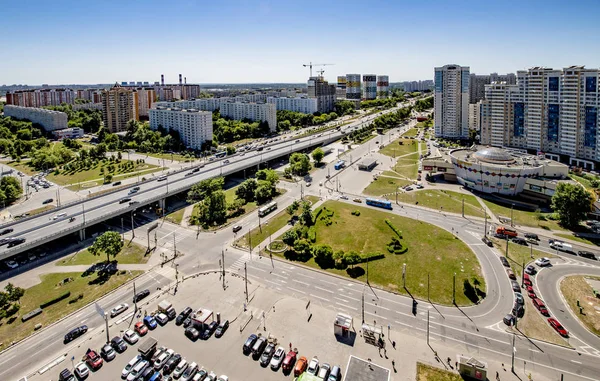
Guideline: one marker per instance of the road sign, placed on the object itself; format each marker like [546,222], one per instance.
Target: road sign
[99,310]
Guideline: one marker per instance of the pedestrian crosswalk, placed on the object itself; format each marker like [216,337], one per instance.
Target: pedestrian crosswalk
[239,263]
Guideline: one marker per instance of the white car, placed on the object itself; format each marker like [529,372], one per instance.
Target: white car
[189,372]
[130,366]
[12,264]
[542,261]
[223,378]
[60,215]
[163,358]
[82,370]
[130,336]
[137,370]
[313,366]
[161,318]
[342,197]
[277,358]
[119,309]
[212,376]
[181,367]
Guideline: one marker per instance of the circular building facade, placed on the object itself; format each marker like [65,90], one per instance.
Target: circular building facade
[494,170]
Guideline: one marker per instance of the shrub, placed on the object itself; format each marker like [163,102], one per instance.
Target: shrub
[356,213]
[394,229]
[312,234]
[55,300]
[76,299]
[396,247]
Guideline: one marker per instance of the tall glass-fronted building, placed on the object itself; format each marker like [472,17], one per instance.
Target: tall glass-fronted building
[451,102]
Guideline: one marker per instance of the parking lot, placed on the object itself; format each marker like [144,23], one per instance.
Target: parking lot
[285,319]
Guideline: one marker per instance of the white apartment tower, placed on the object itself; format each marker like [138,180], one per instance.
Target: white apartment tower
[369,89]
[263,112]
[451,100]
[297,104]
[195,127]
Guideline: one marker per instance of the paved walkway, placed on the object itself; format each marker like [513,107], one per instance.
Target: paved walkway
[187,213]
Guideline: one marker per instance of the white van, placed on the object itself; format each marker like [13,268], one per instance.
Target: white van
[60,215]
[561,246]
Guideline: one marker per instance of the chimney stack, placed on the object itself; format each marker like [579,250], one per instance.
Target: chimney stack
[180,79]
[185,80]
[162,79]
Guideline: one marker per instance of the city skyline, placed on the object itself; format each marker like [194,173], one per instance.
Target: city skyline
[267,42]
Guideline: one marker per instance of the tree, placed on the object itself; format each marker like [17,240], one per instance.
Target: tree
[230,150]
[263,191]
[246,190]
[10,189]
[213,209]
[204,189]
[338,258]
[352,258]
[317,155]
[108,178]
[109,243]
[323,256]
[290,237]
[306,215]
[14,294]
[300,164]
[302,248]
[293,208]
[572,203]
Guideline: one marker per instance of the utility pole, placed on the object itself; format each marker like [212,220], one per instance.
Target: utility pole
[404,275]
[174,247]
[531,251]
[512,367]
[134,298]
[250,243]
[485,223]
[246,280]
[523,275]
[428,287]
[463,207]
[454,289]
[511,214]
[363,306]
[427,327]
[132,226]
[506,255]
[223,261]
[106,322]
[301,191]
[122,231]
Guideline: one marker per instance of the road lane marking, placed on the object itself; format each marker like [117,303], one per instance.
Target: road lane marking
[293,289]
[324,289]
[318,297]
[301,282]
[576,362]
[346,306]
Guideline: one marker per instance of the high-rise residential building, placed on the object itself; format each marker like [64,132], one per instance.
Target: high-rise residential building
[263,112]
[474,116]
[40,97]
[477,84]
[146,96]
[411,86]
[320,89]
[353,87]
[369,88]
[340,90]
[194,127]
[383,86]
[297,104]
[49,119]
[92,95]
[451,100]
[550,111]
[119,106]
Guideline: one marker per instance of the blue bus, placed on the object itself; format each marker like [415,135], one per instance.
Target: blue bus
[379,203]
[339,165]
[221,154]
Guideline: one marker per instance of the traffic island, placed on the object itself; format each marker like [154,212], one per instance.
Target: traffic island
[582,293]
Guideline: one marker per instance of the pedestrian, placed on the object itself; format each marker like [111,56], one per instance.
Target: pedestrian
[497,376]
[394,344]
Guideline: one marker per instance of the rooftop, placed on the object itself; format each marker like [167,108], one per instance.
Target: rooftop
[501,157]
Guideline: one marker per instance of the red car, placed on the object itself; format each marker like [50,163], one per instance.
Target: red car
[93,359]
[527,280]
[539,304]
[289,361]
[140,328]
[530,292]
[559,328]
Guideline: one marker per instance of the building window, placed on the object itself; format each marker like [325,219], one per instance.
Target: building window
[591,85]
[553,118]
[519,119]
[553,84]
[591,122]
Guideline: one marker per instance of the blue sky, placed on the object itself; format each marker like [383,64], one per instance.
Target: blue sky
[240,41]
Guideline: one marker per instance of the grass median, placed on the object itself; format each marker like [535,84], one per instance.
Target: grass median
[89,288]
[130,254]
[581,288]
[433,253]
[400,147]
[525,218]
[387,183]
[431,373]
[448,201]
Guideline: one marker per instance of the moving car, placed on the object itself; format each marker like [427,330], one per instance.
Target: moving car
[519,241]
[247,347]
[60,215]
[237,228]
[313,366]
[150,322]
[82,371]
[6,231]
[532,236]
[209,330]
[118,344]
[161,178]
[141,295]
[587,254]
[277,358]
[119,309]
[558,327]
[140,328]
[267,355]
[183,315]
[222,328]
[75,333]
[16,241]
[124,200]
[542,262]
[130,336]
[358,200]
[116,183]
[108,352]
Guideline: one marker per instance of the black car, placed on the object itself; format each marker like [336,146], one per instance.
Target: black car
[532,236]
[116,183]
[208,331]
[75,333]
[133,202]
[4,241]
[118,344]
[6,231]
[504,261]
[124,200]
[183,315]
[147,374]
[47,201]
[171,314]
[518,310]
[519,241]
[141,295]
[172,363]
[15,242]
[187,322]
[192,333]
[515,286]
[266,356]
[195,170]
[66,375]
[222,328]
[249,344]
[509,320]
[587,254]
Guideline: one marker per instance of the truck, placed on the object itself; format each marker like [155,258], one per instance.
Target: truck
[561,246]
[506,231]
[164,306]
[148,347]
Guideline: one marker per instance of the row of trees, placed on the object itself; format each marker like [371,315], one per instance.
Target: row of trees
[291,120]
[10,299]
[424,104]
[226,130]
[10,189]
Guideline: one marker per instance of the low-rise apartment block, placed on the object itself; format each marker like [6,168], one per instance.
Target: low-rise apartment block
[194,126]
[49,119]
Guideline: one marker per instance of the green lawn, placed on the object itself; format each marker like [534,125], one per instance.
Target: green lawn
[431,250]
[407,166]
[259,234]
[399,147]
[91,287]
[93,174]
[582,180]
[131,253]
[176,217]
[385,185]
[525,218]
[574,237]
[42,209]
[23,166]
[431,373]
[411,132]
[167,156]
[449,201]
[576,288]
[427,123]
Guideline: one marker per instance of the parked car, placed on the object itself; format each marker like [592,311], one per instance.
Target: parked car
[140,328]
[201,375]
[587,254]
[150,322]
[172,363]
[183,315]
[519,298]
[130,365]
[539,304]
[530,269]
[247,347]
[11,264]
[222,328]
[75,333]
[531,292]
[48,201]
[66,375]
[313,366]
[147,374]
[288,362]
[301,366]
[118,344]
[558,327]
[519,241]
[335,374]
[141,295]
[324,370]
[130,337]
[515,286]
[162,319]
[187,322]
[208,331]
[192,333]
[137,370]
[82,371]
[511,274]
[119,309]
[163,358]
[357,200]
[542,262]
[504,262]
[518,310]
[93,359]
[509,320]
[277,358]
[108,352]
[189,372]
[267,355]
[180,368]
[258,347]
[527,280]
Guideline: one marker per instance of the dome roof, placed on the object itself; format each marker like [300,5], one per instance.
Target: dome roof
[493,155]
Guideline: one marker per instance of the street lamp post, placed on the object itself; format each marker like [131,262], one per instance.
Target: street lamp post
[511,214]
[454,289]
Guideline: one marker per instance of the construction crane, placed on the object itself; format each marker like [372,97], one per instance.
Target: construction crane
[310,65]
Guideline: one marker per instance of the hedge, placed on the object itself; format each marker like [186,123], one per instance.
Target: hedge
[312,234]
[31,314]
[55,300]
[398,232]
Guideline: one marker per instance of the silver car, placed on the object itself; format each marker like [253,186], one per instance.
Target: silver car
[277,358]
